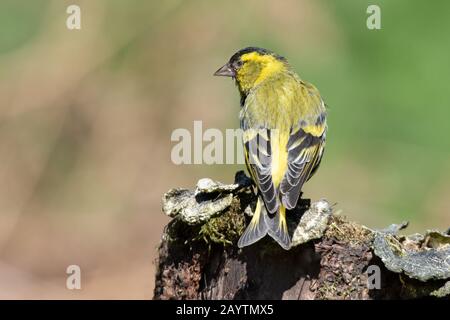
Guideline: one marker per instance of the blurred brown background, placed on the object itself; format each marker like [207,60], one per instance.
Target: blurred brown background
[86,118]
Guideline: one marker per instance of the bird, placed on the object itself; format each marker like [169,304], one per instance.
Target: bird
[283,122]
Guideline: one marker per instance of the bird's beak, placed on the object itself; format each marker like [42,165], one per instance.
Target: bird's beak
[225,71]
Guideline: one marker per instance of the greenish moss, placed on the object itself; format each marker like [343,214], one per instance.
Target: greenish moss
[345,231]
[224,229]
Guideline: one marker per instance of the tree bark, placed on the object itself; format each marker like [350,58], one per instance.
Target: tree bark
[343,260]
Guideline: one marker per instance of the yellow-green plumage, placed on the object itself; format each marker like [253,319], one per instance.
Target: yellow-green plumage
[284,126]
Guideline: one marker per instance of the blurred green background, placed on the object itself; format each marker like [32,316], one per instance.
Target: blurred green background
[86,118]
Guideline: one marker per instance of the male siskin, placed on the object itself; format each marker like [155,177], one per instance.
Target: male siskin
[283,119]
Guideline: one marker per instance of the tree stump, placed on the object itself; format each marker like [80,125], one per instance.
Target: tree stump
[331,258]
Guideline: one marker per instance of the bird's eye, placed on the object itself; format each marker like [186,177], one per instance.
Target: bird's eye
[238,64]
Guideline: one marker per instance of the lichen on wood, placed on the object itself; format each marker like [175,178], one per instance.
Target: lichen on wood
[423,257]
[329,258]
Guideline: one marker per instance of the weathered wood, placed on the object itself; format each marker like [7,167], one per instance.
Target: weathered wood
[201,260]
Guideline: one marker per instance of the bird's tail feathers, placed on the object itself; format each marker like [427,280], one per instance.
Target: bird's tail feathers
[262,224]
[278,228]
[257,228]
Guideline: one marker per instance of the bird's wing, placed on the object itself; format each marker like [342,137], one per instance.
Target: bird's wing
[281,162]
[305,149]
[258,159]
